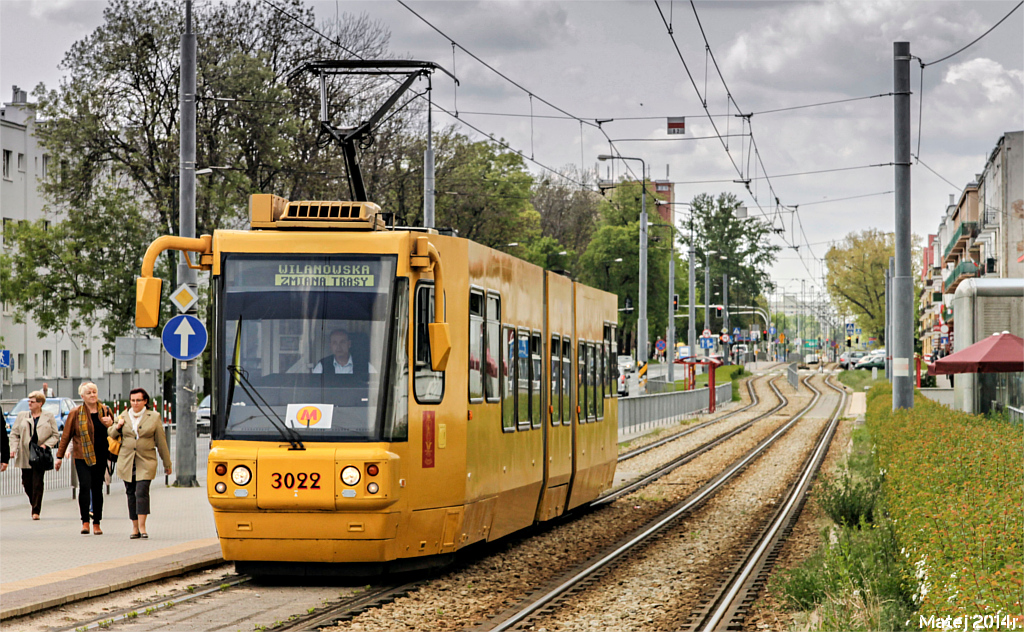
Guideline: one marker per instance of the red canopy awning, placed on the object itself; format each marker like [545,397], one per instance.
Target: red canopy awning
[999,353]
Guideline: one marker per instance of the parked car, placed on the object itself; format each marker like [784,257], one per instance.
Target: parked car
[626,363]
[623,384]
[849,359]
[60,407]
[874,359]
[203,417]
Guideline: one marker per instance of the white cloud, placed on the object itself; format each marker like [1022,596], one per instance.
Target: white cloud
[996,82]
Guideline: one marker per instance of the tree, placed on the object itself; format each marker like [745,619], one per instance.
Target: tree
[568,213]
[744,244]
[856,277]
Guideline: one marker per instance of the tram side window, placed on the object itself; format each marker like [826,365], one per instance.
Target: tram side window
[566,381]
[581,382]
[536,364]
[396,419]
[556,380]
[508,379]
[607,379]
[523,379]
[492,386]
[592,379]
[476,343]
[428,384]
[612,352]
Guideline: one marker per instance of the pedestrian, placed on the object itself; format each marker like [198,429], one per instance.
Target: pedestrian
[47,391]
[141,431]
[5,447]
[87,425]
[37,426]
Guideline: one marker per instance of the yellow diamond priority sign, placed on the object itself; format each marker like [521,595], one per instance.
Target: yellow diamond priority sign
[184,297]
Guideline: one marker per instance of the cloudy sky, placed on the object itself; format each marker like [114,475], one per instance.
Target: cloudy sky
[617,60]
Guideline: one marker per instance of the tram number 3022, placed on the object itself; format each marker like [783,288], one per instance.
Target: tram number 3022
[296,481]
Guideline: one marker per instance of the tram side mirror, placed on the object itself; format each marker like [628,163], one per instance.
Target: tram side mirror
[440,345]
[147,302]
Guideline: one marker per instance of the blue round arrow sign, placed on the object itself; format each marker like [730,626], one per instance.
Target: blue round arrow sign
[184,337]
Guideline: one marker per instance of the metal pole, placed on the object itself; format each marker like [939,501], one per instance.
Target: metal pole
[707,297]
[185,372]
[691,337]
[890,302]
[641,325]
[670,343]
[902,349]
[725,312]
[428,166]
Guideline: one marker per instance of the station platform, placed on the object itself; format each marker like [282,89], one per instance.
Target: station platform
[47,562]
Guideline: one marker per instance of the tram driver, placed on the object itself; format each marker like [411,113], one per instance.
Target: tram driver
[340,362]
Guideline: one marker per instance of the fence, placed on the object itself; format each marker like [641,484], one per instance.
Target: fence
[67,480]
[646,411]
[1016,414]
[793,376]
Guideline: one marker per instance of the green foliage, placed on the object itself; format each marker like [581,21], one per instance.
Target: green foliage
[71,275]
[847,501]
[953,489]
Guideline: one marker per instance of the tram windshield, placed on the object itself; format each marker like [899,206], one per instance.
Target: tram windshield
[304,339]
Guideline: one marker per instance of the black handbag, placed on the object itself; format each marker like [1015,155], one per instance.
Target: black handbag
[39,456]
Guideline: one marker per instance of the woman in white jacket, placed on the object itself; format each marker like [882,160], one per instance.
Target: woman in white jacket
[141,431]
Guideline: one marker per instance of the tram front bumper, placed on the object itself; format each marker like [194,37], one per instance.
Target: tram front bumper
[307,537]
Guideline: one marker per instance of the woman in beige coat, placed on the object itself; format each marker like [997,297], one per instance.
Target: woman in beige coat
[141,431]
[45,427]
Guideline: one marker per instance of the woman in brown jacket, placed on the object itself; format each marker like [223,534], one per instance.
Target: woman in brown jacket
[87,425]
[41,423]
[141,431]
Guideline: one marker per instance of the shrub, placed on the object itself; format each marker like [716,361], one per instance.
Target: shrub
[953,490]
[848,502]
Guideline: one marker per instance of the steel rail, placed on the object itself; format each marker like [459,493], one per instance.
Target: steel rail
[754,399]
[683,459]
[349,607]
[695,500]
[738,584]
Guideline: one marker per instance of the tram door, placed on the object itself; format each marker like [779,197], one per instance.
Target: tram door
[558,382]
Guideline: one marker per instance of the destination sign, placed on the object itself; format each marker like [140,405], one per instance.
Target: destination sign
[369,274]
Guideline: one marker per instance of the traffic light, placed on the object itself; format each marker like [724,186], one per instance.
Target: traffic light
[718,311]
[848,343]
[675,302]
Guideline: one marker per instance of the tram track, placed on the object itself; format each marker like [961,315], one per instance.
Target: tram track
[546,600]
[339,610]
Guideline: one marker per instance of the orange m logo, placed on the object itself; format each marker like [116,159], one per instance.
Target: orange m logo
[309,416]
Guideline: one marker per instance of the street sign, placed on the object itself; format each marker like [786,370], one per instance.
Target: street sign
[707,342]
[184,337]
[735,331]
[660,345]
[858,331]
[771,330]
[725,338]
[944,329]
[184,297]
[706,334]
[755,334]
[944,340]
[849,329]
[677,125]
[5,358]
[134,353]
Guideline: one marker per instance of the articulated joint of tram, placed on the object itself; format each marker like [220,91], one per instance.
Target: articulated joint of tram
[148,287]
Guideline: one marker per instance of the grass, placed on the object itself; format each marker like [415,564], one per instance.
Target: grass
[857,580]
[857,380]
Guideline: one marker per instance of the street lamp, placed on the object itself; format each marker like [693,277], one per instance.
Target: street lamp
[641,321]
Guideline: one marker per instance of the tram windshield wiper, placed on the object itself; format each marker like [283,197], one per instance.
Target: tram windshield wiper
[288,434]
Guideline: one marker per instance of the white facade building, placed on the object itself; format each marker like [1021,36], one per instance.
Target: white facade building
[60,359]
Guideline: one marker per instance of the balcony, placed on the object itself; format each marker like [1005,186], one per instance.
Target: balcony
[964,270]
[960,237]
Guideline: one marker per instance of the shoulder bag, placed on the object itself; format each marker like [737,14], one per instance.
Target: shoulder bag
[39,456]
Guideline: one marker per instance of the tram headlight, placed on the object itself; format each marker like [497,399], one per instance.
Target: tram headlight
[220,487]
[350,475]
[241,475]
[373,488]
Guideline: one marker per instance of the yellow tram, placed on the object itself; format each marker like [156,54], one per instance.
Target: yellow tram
[358,421]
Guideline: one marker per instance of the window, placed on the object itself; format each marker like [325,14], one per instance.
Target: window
[556,380]
[581,382]
[428,384]
[508,380]
[592,381]
[396,416]
[7,164]
[46,164]
[65,363]
[523,379]
[87,363]
[21,163]
[46,363]
[566,381]
[21,363]
[35,365]
[476,343]
[536,364]
[492,382]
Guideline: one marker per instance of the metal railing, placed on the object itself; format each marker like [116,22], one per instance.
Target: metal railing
[67,480]
[646,411]
[793,376]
